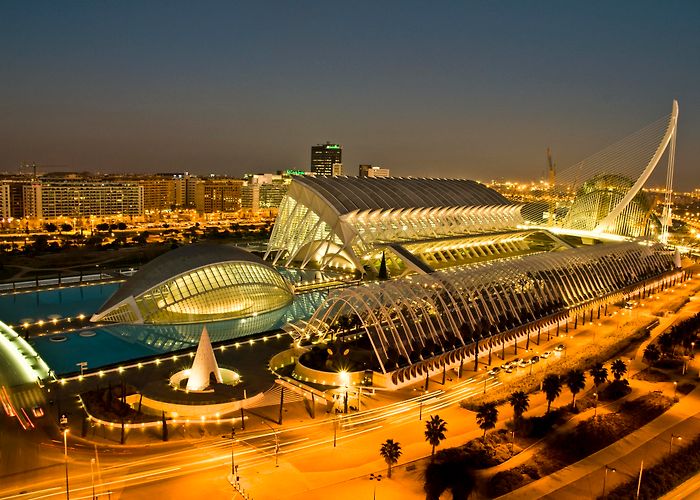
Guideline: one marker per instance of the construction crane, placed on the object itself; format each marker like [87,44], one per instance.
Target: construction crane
[33,166]
[552,180]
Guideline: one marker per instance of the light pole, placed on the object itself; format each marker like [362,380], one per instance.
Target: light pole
[65,455]
[605,476]
[670,442]
[675,389]
[92,477]
[595,406]
[233,442]
[277,443]
[378,478]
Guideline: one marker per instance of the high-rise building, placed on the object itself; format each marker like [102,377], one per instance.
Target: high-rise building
[158,193]
[5,203]
[265,191]
[13,198]
[72,197]
[324,157]
[372,171]
[218,195]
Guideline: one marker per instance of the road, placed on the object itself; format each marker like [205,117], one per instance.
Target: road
[306,456]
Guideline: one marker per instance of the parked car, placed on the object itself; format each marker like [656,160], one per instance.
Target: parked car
[494,371]
[509,369]
[545,354]
[560,347]
[523,362]
[535,359]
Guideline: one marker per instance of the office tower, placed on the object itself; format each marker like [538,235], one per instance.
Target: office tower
[325,158]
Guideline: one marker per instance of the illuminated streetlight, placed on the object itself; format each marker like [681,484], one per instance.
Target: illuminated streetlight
[670,442]
[605,476]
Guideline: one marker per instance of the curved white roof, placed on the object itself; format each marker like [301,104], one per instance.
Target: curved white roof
[175,262]
[347,194]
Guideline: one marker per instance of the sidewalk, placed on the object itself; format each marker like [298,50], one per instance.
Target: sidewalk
[551,484]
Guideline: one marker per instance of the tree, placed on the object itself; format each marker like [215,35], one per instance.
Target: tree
[50,227]
[599,374]
[390,452]
[435,430]
[66,227]
[520,403]
[575,381]
[652,354]
[618,368]
[102,226]
[551,385]
[121,226]
[486,417]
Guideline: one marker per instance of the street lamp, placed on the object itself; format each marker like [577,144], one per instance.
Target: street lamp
[378,478]
[675,389]
[670,442]
[595,406]
[92,477]
[605,476]
[65,455]
[277,443]
[233,442]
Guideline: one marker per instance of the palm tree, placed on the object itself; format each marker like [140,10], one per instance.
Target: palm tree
[390,452]
[435,430]
[575,380]
[520,403]
[551,385]
[652,354]
[599,374]
[618,368]
[486,417]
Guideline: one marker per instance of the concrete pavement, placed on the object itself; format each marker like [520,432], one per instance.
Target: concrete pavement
[553,485]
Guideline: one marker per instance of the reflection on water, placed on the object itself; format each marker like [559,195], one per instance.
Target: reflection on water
[166,338]
[115,344]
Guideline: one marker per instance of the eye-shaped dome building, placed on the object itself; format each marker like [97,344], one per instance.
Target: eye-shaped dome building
[197,283]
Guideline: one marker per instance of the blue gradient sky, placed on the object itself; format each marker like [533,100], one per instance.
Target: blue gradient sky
[463,89]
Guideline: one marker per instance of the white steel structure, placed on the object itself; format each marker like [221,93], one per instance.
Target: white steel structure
[421,316]
[197,283]
[608,185]
[338,221]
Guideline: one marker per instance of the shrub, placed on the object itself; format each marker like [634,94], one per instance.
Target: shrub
[504,482]
[671,471]
[615,390]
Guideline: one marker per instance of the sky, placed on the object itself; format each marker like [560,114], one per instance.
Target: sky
[451,89]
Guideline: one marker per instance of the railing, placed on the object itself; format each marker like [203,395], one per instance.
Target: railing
[61,280]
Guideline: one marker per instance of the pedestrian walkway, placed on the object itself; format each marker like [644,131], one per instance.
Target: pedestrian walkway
[552,484]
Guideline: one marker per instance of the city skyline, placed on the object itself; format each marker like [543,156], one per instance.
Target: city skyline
[462,90]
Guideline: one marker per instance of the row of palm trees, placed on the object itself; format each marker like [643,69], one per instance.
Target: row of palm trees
[487,413]
[435,429]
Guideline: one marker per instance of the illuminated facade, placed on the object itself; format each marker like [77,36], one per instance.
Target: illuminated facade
[198,283]
[596,198]
[418,318]
[327,159]
[340,221]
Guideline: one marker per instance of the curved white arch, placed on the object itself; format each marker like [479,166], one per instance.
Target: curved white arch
[609,219]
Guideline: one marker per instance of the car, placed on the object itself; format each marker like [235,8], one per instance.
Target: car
[505,366]
[509,369]
[560,347]
[545,354]
[516,361]
[535,359]
[494,370]
[38,411]
[523,362]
